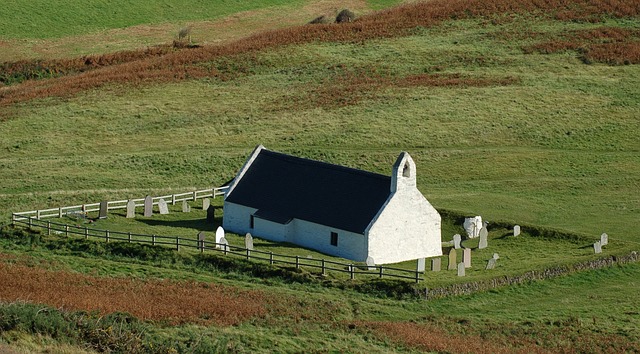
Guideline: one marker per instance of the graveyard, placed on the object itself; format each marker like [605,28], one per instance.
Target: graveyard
[523,113]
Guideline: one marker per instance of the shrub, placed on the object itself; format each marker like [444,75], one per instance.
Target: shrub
[321,20]
[345,16]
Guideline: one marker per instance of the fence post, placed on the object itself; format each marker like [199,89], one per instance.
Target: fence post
[351,271]
[177,244]
[417,277]
[38,214]
[248,254]
[13,219]
[60,212]
[173,199]
[213,193]
[29,221]
[297,262]
[48,228]
[201,244]
[381,271]
[86,233]
[270,257]
[106,235]
[194,195]
[153,240]
[66,230]
[323,268]
[129,234]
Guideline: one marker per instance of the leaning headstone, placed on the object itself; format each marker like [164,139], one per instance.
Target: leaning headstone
[148,206]
[604,239]
[472,226]
[224,244]
[219,235]
[484,234]
[597,247]
[461,269]
[131,209]
[205,203]
[452,259]
[516,230]
[436,264]
[248,241]
[371,264]
[103,210]
[201,240]
[491,264]
[466,257]
[162,206]
[186,208]
[456,241]
[211,214]
[420,265]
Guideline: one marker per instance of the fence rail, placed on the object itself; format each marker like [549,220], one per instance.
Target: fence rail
[117,204]
[202,246]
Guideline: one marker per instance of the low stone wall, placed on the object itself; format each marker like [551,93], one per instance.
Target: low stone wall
[472,287]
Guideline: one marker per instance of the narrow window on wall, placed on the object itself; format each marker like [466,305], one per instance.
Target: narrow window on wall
[251,221]
[334,239]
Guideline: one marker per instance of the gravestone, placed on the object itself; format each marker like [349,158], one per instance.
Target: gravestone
[371,264]
[162,207]
[186,208]
[205,203]
[456,241]
[436,264]
[452,259]
[420,266]
[148,206]
[466,257]
[516,230]
[496,256]
[248,241]
[224,244]
[103,210]
[201,240]
[219,235]
[484,234]
[597,247]
[211,214]
[472,226]
[491,264]
[131,209]
[604,239]
[461,269]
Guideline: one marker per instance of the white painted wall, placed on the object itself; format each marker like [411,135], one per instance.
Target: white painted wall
[318,237]
[236,218]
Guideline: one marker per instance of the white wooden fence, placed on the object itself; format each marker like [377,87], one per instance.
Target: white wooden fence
[116,204]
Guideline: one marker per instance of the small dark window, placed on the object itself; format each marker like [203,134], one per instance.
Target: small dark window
[251,222]
[334,239]
[406,171]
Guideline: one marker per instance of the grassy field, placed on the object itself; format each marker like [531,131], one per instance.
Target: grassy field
[519,117]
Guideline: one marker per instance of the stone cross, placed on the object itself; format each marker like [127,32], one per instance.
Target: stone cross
[452,259]
[211,214]
[248,241]
[186,208]
[421,265]
[516,230]
[162,207]
[597,247]
[148,206]
[371,263]
[131,209]
[604,239]
[461,269]
[103,210]
[496,256]
[484,234]
[205,203]
[456,241]
[436,264]
[466,257]
[219,235]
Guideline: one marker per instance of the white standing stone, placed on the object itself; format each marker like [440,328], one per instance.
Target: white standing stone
[484,235]
[436,264]
[456,241]
[421,265]
[461,269]
[205,203]
[131,209]
[162,207]
[219,235]
[604,239]
[491,264]
[248,241]
[496,256]
[466,257]
[224,244]
[452,259]
[597,247]
[473,226]
[148,206]
[186,208]
[371,263]
[516,230]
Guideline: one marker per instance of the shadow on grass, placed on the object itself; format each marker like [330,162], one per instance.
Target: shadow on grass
[195,224]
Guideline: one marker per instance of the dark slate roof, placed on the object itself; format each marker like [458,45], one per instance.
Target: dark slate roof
[283,187]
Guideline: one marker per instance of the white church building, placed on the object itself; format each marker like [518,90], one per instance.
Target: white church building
[333,209]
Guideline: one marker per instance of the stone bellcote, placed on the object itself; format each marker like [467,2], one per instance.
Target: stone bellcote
[404,173]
